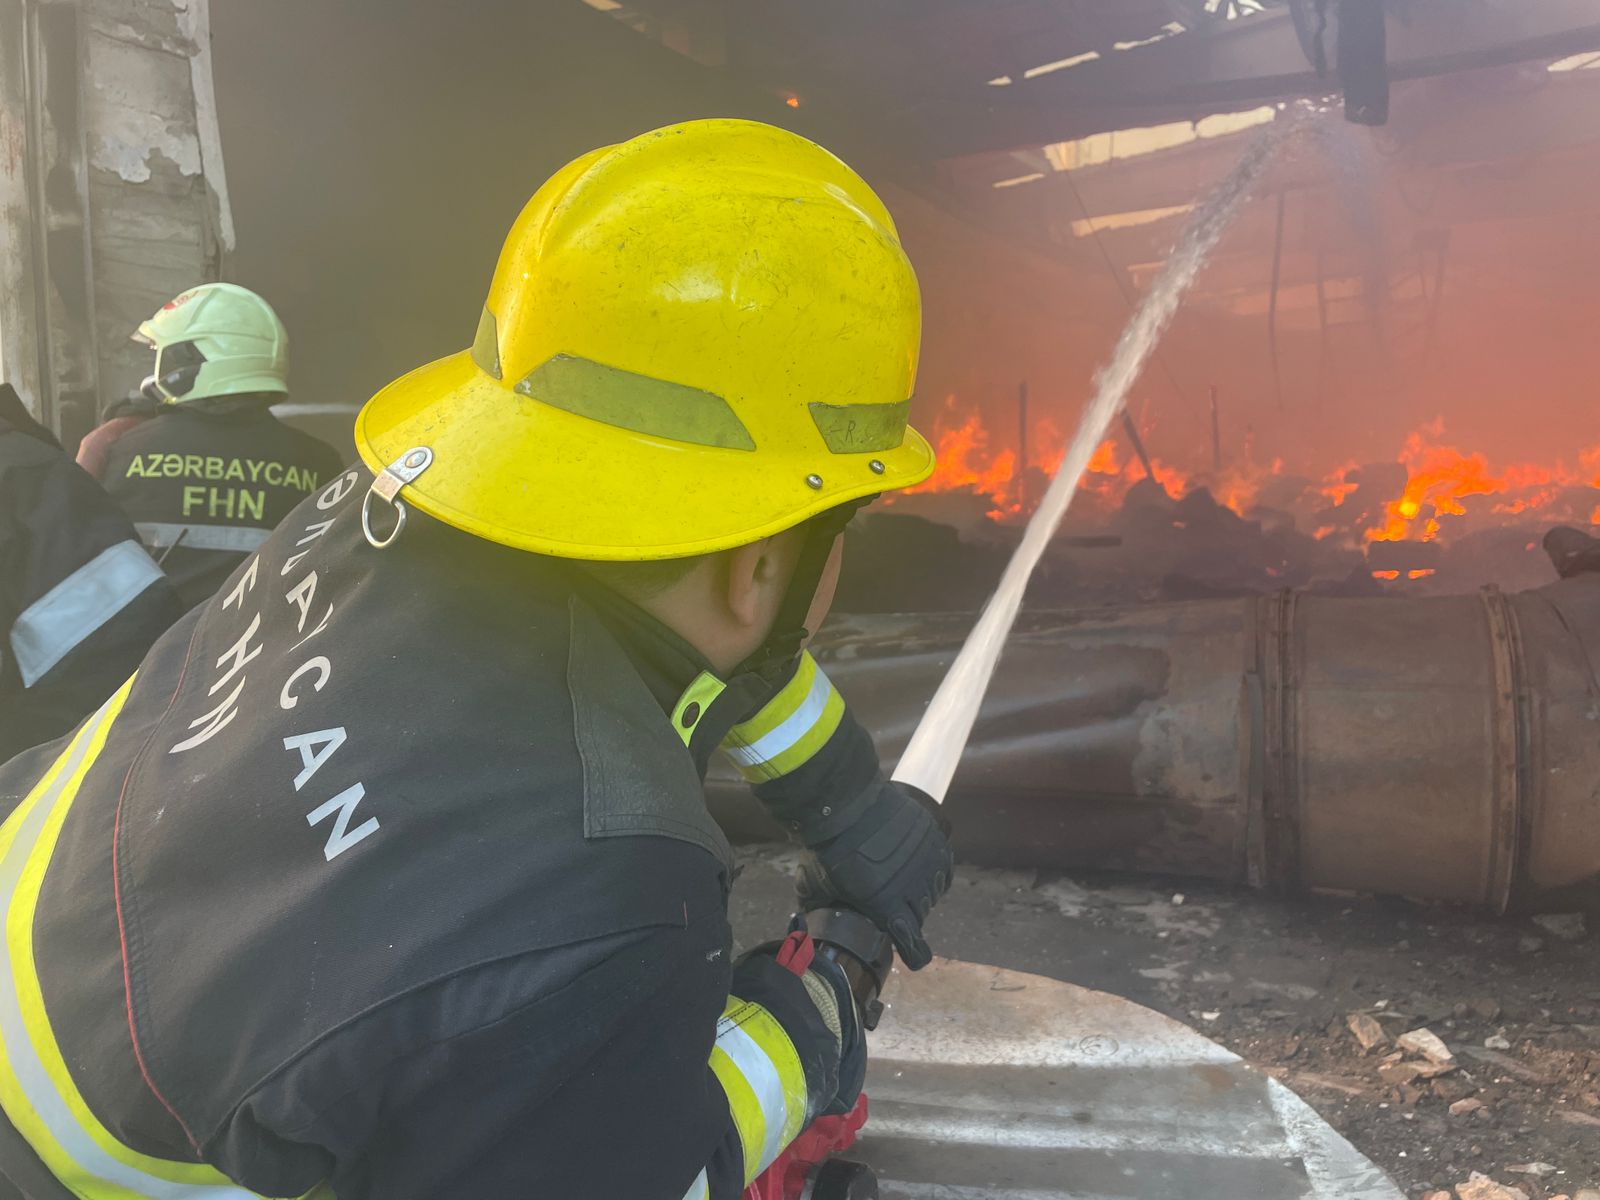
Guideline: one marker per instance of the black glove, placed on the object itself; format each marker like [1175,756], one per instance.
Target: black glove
[891,863]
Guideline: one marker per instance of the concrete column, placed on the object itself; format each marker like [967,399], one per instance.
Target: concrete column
[160,219]
[112,197]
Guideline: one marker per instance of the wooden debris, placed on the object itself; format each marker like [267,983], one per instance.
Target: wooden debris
[1400,1073]
[1367,1031]
[1537,1169]
[1426,1043]
[1481,1187]
[1507,1064]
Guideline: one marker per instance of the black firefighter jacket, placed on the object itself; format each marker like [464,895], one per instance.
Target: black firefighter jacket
[390,874]
[80,600]
[204,482]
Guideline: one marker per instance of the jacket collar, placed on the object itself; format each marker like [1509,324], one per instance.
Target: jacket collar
[701,705]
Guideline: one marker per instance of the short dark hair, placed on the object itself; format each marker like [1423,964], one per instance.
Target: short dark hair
[640,580]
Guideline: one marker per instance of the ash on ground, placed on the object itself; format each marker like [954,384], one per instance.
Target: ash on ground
[1294,985]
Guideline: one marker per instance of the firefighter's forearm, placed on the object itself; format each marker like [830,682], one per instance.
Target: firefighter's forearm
[778,1062]
[809,761]
[877,846]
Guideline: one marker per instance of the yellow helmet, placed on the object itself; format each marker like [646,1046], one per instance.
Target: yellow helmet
[694,339]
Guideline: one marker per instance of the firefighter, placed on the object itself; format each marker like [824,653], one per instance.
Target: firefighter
[203,468]
[389,874]
[80,600]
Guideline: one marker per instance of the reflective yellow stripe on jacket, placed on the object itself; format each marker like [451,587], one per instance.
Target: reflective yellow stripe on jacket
[760,1073]
[794,725]
[36,1090]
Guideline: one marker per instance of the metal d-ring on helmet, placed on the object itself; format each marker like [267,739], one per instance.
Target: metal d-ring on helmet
[693,340]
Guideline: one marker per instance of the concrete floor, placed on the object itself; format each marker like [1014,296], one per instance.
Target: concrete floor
[1274,979]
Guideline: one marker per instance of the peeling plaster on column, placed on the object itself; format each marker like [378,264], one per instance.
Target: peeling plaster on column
[21,341]
[161,219]
[128,155]
[194,19]
[121,31]
[142,105]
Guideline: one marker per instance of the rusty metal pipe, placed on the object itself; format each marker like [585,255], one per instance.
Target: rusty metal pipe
[1439,747]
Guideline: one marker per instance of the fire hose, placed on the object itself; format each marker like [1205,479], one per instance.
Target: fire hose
[808,1170]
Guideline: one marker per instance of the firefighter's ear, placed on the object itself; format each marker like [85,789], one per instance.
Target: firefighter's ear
[754,580]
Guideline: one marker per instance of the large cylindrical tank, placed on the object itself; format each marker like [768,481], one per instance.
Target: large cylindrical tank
[1440,747]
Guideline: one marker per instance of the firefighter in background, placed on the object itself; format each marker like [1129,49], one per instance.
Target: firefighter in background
[80,600]
[390,872]
[206,470]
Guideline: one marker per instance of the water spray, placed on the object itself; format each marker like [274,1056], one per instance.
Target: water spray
[935,749]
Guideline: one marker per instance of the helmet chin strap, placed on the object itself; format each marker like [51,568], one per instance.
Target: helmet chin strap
[752,684]
[775,658]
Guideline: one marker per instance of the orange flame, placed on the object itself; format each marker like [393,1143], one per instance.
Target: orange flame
[1590,461]
[1334,487]
[1109,475]
[968,461]
[1443,482]
[1241,482]
[1440,477]
[965,461]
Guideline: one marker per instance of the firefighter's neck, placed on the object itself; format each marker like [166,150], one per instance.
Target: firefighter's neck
[725,607]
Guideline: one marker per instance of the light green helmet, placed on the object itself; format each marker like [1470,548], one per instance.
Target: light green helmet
[218,339]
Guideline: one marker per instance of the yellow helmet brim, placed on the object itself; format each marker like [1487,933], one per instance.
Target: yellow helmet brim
[527,474]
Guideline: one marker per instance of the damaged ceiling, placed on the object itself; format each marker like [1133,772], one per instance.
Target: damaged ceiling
[946,78]
[1089,127]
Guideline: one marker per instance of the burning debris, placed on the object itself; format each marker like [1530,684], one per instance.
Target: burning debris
[1438,519]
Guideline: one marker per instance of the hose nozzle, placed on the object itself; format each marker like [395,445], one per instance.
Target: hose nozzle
[863,951]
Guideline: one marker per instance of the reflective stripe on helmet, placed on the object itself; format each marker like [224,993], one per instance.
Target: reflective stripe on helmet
[761,1075]
[36,1089]
[853,428]
[629,400]
[794,725]
[56,623]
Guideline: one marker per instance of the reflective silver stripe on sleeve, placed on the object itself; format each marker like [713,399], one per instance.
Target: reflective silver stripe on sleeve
[794,727]
[762,1076]
[700,1189]
[58,621]
[158,535]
